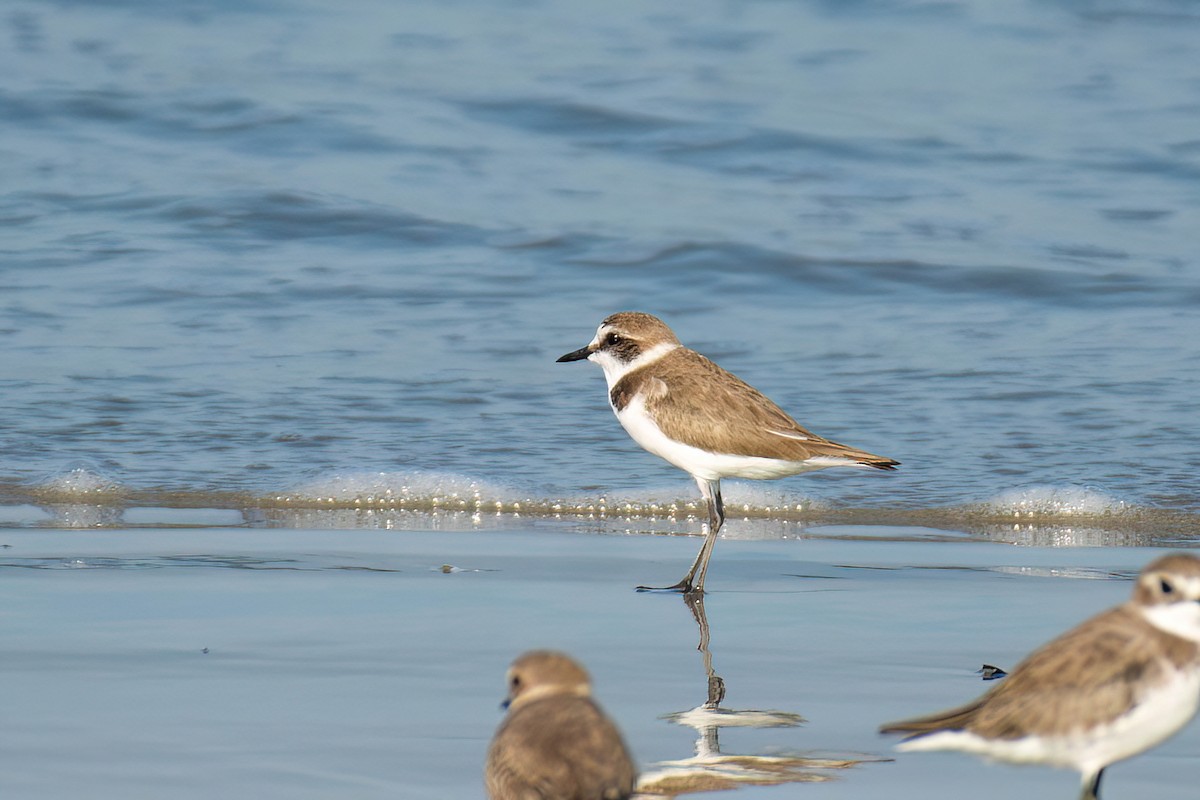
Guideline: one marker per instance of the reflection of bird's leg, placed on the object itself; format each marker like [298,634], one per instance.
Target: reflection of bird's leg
[709,743]
[693,581]
[1091,786]
[716,684]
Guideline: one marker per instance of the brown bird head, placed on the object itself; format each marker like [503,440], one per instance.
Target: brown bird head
[622,338]
[1168,595]
[543,673]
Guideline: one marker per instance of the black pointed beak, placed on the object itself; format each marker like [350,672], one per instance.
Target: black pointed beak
[577,355]
[505,703]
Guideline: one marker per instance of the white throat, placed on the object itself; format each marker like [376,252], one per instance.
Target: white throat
[615,369]
[1180,619]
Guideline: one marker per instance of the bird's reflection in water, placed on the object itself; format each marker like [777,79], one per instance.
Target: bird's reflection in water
[710,769]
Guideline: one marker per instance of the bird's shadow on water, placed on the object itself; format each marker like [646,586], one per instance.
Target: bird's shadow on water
[709,769]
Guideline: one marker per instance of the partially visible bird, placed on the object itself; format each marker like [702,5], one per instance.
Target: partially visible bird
[556,743]
[1116,685]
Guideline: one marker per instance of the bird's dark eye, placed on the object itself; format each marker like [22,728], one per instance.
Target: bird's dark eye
[515,683]
[612,338]
[1167,588]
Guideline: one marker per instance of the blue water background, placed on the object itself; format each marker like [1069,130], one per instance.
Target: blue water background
[249,247]
[304,250]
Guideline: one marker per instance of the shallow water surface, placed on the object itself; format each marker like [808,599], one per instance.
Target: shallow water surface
[306,664]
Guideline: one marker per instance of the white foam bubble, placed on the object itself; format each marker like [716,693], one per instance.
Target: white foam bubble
[420,488]
[1056,501]
[682,502]
[81,482]
[763,499]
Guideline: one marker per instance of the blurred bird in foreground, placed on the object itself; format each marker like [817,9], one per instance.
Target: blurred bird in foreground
[1120,683]
[556,743]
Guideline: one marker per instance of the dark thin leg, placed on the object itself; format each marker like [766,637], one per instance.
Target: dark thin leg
[1091,787]
[716,518]
[693,581]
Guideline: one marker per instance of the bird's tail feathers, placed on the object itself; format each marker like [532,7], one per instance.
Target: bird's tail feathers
[954,719]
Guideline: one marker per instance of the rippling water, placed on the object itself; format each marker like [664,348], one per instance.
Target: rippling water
[301,264]
[262,251]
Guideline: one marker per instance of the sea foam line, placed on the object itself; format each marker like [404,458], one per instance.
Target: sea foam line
[439,493]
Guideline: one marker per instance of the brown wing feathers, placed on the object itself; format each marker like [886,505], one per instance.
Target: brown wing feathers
[703,404]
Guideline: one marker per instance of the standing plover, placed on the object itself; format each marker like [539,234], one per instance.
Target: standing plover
[555,743]
[1118,684]
[682,407]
